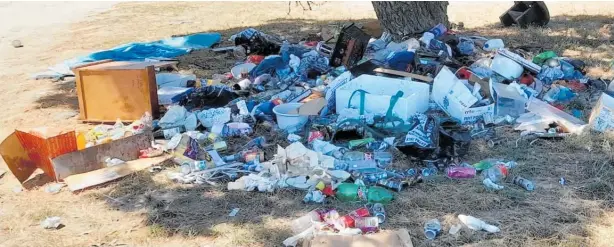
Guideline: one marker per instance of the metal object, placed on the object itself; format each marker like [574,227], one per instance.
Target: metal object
[391,184]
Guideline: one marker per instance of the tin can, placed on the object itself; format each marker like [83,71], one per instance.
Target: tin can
[379,212]
[524,183]
[391,184]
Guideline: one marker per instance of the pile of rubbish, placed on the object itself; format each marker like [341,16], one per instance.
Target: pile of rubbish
[343,109]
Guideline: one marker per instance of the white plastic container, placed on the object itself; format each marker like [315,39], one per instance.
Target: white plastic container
[287,121]
[493,44]
[506,67]
[415,97]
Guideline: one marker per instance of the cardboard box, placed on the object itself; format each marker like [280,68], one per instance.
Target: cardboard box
[111,90]
[92,158]
[507,100]
[452,96]
[26,150]
[379,90]
[399,238]
[55,152]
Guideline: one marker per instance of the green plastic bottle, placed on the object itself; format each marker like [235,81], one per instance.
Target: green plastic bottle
[349,192]
[484,164]
[379,195]
[542,57]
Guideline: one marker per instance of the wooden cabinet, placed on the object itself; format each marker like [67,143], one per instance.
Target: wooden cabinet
[109,90]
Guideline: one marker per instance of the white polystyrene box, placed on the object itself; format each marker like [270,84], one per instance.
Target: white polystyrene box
[415,97]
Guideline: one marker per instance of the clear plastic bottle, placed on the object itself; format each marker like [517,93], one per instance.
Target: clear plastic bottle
[496,173]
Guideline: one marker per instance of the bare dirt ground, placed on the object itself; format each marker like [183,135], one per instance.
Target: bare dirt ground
[148,210]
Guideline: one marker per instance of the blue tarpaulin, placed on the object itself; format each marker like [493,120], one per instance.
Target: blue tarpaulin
[161,49]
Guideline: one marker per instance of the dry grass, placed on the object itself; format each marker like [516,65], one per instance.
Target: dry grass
[147,210]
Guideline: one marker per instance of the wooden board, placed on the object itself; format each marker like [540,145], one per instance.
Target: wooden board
[92,158]
[107,174]
[403,73]
[124,90]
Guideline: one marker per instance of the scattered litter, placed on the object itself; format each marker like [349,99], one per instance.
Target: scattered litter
[16,43]
[477,224]
[54,188]
[51,223]
[324,118]
[432,228]
[234,212]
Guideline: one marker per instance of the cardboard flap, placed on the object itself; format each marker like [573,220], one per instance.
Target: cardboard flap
[398,238]
[107,174]
[92,158]
[312,107]
[16,158]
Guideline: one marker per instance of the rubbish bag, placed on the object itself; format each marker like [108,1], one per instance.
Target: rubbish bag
[422,139]
[209,97]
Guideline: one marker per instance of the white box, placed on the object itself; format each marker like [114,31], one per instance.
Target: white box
[602,116]
[508,100]
[415,97]
[452,96]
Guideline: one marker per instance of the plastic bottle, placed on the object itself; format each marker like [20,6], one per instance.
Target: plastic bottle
[432,228]
[476,224]
[348,192]
[489,184]
[488,163]
[460,172]
[496,173]
[354,156]
[301,224]
[493,44]
[245,156]
[349,220]
[438,30]
[81,141]
[379,195]
[524,183]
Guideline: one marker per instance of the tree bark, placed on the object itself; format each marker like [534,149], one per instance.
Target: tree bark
[408,18]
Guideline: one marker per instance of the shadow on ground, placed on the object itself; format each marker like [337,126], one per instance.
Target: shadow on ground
[553,215]
[64,95]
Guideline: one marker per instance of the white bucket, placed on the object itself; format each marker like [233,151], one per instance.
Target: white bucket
[286,121]
[506,67]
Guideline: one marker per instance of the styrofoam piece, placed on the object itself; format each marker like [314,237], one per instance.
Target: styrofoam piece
[380,89]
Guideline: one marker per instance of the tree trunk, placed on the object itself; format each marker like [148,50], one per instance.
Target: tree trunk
[407,18]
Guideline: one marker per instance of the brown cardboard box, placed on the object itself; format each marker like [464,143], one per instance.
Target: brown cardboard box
[398,238]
